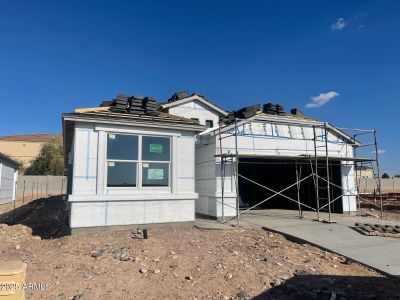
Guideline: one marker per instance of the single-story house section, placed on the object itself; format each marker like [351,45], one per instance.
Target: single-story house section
[271,150]
[275,150]
[129,167]
[8,178]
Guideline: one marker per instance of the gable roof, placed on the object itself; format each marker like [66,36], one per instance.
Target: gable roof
[193,97]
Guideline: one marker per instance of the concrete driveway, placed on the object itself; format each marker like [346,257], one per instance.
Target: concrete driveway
[380,253]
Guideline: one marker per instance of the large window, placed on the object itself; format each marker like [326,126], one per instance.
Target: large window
[127,168]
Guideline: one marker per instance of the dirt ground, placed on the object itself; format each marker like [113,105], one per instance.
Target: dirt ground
[177,263]
[392,215]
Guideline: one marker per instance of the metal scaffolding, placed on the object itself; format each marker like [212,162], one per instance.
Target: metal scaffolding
[321,169]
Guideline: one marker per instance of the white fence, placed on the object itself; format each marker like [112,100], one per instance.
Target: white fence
[388,185]
[30,187]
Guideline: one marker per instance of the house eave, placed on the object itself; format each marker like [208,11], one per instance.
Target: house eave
[132,122]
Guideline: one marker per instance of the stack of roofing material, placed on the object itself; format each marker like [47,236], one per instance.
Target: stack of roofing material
[106,103]
[228,119]
[136,105]
[150,106]
[247,112]
[273,109]
[269,108]
[120,103]
[297,112]
[279,110]
[179,96]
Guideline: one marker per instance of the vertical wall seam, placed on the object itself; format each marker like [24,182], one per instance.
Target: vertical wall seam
[87,155]
[106,214]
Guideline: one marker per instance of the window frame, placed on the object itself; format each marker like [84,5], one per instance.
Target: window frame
[212,123]
[142,161]
[107,160]
[139,164]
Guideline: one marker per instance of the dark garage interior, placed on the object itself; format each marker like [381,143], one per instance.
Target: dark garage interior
[278,174]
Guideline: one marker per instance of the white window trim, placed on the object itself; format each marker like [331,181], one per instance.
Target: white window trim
[139,162]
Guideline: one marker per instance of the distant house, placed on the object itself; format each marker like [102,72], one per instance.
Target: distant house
[8,178]
[25,147]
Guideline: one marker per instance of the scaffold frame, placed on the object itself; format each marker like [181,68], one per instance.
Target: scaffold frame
[313,160]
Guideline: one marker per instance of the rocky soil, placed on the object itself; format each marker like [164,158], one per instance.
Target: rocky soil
[391,215]
[179,263]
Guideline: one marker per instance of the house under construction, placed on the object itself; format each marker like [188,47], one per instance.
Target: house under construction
[133,161]
[262,157]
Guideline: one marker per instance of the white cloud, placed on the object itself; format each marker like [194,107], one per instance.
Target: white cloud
[339,24]
[321,99]
[380,151]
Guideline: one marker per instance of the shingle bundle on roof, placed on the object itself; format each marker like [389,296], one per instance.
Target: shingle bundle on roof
[273,109]
[178,96]
[296,111]
[150,105]
[134,105]
[106,103]
[247,112]
[120,104]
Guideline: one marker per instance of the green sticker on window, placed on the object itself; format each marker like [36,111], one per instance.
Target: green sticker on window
[156,148]
[155,174]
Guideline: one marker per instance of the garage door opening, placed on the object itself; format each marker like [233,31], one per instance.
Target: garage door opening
[278,174]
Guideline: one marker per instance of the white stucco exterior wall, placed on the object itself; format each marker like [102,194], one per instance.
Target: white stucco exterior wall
[93,204]
[8,179]
[195,109]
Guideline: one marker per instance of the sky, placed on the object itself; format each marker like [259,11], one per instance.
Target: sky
[338,61]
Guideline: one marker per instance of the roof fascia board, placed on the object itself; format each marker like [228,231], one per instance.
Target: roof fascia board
[151,124]
[191,98]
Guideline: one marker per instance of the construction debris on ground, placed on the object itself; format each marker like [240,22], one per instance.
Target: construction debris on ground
[177,263]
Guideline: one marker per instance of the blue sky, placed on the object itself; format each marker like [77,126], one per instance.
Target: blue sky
[59,55]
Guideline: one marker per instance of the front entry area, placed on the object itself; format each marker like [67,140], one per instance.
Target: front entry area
[279,174]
